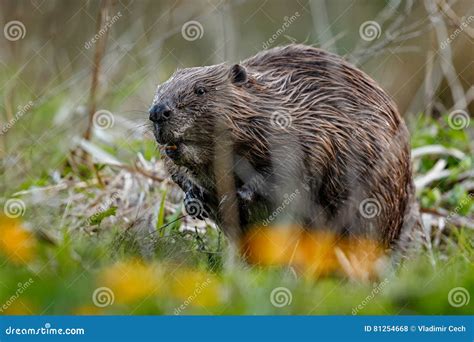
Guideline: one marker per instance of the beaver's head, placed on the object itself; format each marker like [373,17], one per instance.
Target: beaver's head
[186,107]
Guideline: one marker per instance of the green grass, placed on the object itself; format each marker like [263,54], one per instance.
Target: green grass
[70,263]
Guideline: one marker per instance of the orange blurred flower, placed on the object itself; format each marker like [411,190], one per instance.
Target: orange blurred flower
[20,307]
[16,243]
[195,288]
[360,257]
[318,250]
[314,253]
[272,246]
[132,280]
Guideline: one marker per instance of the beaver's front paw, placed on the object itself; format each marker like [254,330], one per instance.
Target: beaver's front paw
[245,195]
[195,206]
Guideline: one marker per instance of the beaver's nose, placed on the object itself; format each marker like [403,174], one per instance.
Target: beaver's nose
[160,113]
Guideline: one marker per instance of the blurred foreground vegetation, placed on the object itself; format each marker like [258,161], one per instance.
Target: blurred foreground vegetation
[113,268]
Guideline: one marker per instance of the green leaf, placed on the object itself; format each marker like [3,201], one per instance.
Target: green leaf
[98,217]
[161,214]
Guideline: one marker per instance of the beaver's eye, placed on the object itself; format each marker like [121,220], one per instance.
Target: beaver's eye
[200,91]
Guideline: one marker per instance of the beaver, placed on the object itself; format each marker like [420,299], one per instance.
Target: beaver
[313,141]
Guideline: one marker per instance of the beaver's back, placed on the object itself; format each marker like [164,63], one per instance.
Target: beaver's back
[353,144]
[329,78]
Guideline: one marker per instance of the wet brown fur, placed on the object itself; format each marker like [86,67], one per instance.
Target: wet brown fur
[346,142]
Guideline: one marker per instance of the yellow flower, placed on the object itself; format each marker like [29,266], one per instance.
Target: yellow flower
[314,253]
[318,250]
[360,257]
[20,307]
[195,288]
[131,281]
[272,246]
[17,244]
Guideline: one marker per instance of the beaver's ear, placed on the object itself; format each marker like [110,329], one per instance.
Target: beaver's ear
[238,74]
